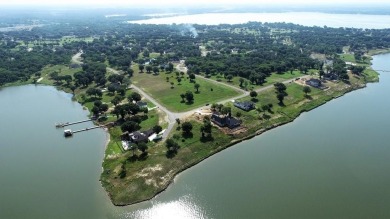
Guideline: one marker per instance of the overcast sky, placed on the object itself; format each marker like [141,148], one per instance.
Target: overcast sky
[184,2]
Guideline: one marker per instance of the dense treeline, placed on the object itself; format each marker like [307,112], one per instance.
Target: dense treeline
[252,50]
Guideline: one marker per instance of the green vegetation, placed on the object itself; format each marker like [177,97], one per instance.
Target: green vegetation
[169,95]
[247,56]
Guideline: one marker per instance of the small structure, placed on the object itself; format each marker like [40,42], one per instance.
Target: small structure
[68,133]
[225,121]
[138,136]
[314,82]
[330,77]
[247,105]
[142,105]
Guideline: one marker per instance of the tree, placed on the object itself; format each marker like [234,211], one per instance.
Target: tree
[196,86]
[131,108]
[206,127]
[186,127]
[253,94]
[178,80]
[134,97]
[178,121]
[280,97]
[130,126]
[182,97]
[192,77]
[111,88]
[130,71]
[141,68]
[143,147]
[306,89]
[157,129]
[189,96]
[149,68]
[72,88]
[155,70]
[116,100]
[229,77]
[241,81]
[95,110]
[226,110]
[280,87]
[171,145]
[170,67]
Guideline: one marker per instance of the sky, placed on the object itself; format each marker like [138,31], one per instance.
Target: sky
[185,2]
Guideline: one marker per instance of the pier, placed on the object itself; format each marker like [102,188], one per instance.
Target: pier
[61,125]
[69,132]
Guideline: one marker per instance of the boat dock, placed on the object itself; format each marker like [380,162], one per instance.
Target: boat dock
[61,125]
[69,132]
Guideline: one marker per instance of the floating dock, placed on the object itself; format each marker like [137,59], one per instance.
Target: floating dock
[61,125]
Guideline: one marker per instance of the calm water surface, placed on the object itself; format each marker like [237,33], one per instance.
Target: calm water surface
[330,163]
[302,18]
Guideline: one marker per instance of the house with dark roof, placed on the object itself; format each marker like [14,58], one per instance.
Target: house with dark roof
[139,136]
[330,77]
[247,105]
[225,121]
[314,82]
[141,104]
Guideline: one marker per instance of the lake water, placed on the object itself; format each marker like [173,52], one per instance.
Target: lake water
[302,18]
[329,163]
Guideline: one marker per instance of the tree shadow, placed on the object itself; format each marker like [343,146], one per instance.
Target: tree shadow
[187,135]
[171,154]
[205,139]
[281,104]
[308,97]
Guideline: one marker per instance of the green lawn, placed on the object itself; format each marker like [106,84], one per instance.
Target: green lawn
[158,87]
[269,80]
[348,58]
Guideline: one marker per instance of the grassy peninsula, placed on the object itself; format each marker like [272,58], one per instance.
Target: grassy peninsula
[173,77]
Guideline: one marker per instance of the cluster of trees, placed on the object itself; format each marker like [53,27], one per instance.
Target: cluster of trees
[280,90]
[252,50]
[187,96]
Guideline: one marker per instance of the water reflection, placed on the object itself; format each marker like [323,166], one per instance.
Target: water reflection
[185,207]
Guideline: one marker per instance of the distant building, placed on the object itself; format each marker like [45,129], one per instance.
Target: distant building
[314,82]
[247,105]
[225,121]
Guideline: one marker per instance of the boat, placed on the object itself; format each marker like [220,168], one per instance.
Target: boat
[68,132]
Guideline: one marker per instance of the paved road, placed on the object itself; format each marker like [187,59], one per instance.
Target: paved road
[171,116]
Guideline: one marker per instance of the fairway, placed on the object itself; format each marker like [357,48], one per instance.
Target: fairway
[160,89]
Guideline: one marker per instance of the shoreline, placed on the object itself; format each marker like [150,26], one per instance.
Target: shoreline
[222,147]
[237,141]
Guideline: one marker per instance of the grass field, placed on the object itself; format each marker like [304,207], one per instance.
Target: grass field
[158,87]
[270,80]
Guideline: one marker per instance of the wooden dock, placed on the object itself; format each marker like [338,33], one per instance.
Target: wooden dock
[61,125]
[69,132]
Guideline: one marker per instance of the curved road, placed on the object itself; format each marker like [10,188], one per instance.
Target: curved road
[172,116]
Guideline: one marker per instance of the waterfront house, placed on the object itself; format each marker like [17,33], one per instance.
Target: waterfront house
[247,105]
[140,136]
[141,104]
[225,121]
[314,82]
